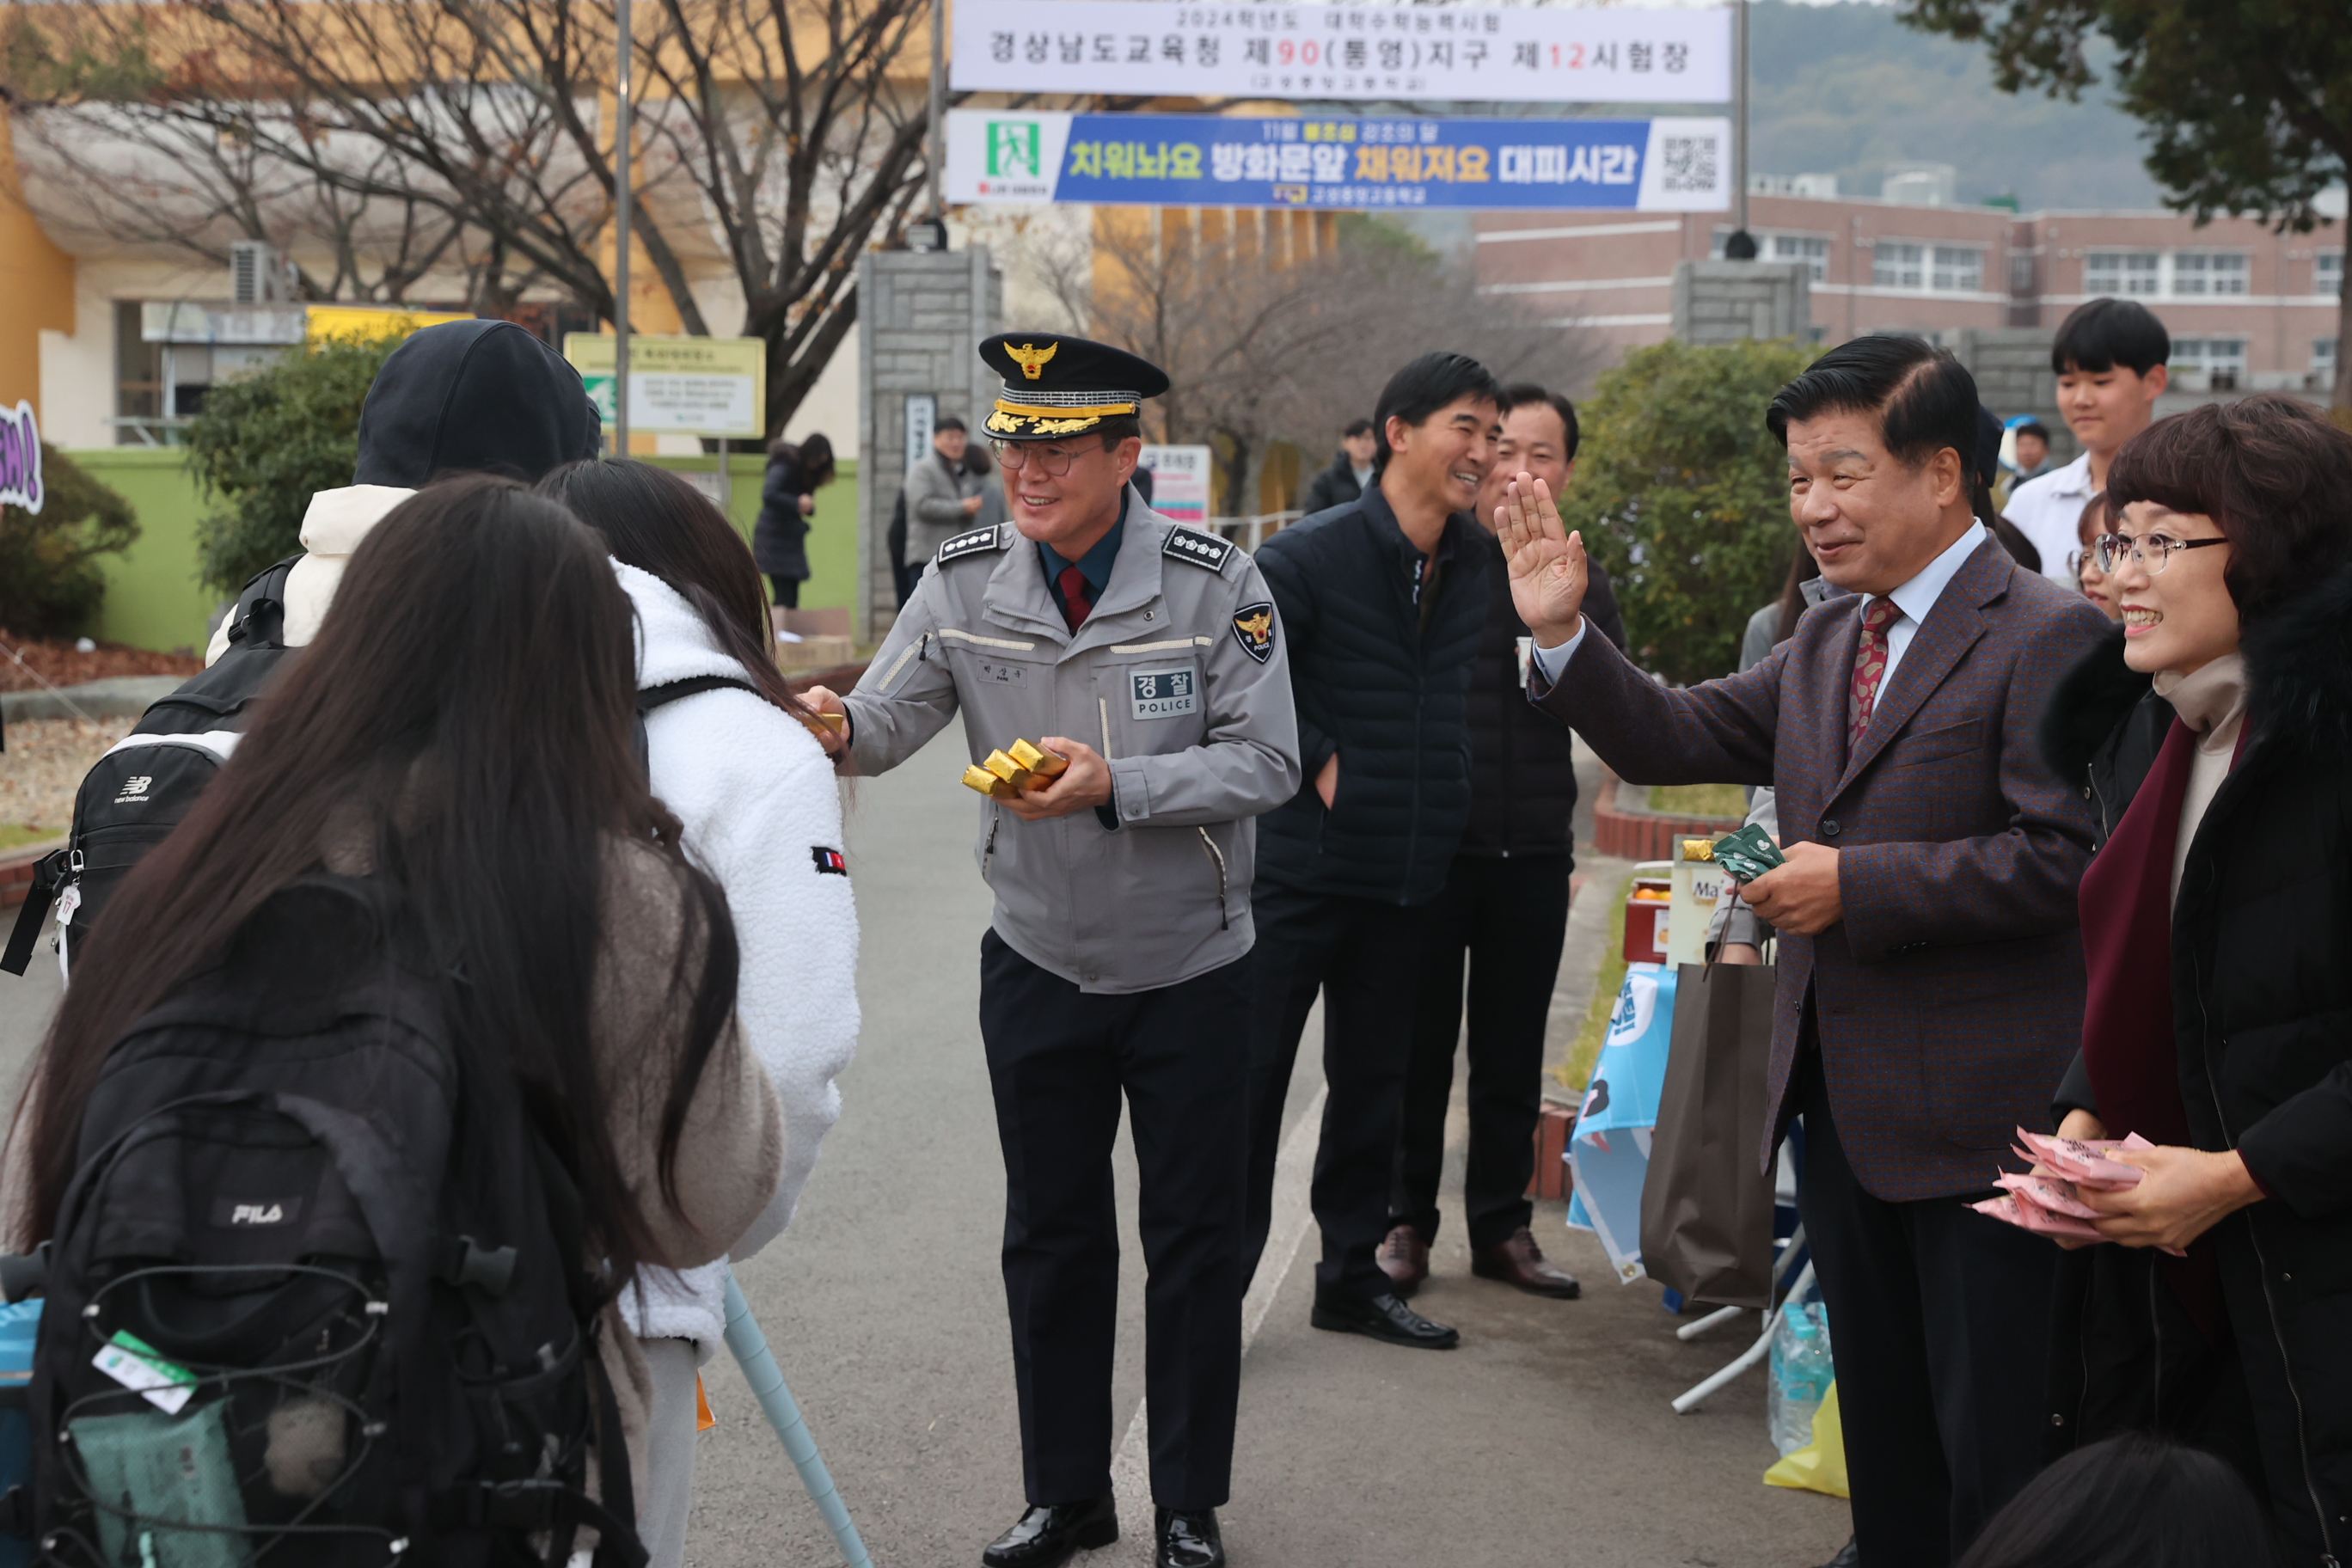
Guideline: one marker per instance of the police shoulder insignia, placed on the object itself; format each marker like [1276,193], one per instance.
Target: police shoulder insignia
[1201,548]
[971,543]
[1254,629]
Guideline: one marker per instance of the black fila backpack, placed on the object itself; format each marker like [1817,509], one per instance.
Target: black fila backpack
[317,1293]
[140,789]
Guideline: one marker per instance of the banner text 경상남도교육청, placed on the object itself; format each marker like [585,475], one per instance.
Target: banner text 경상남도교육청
[1460,53]
[1351,164]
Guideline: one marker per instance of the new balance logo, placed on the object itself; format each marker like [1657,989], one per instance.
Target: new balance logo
[135,788]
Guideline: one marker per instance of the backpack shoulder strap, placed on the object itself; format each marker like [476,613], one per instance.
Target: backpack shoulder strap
[259,618]
[669,691]
[653,696]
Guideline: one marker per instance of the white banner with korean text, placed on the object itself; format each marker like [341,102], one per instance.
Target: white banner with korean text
[1498,54]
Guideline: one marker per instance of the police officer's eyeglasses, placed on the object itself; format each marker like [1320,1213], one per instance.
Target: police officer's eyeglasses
[2154,552]
[1051,457]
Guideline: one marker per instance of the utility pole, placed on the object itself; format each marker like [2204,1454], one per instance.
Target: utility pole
[937,150]
[1741,245]
[624,177]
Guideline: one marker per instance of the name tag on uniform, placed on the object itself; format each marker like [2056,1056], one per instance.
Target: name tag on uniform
[1001,673]
[1164,693]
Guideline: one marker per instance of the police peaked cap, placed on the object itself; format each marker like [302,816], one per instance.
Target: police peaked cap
[1056,387]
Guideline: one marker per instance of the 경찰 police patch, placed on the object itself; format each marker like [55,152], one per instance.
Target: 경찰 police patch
[1254,629]
[1164,693]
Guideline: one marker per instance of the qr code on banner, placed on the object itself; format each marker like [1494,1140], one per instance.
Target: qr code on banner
[1689,162]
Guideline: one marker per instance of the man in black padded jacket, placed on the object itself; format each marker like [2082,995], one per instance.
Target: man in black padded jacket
[1505,909]
[1384,599]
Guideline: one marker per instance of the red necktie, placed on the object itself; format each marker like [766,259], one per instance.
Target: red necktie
[1075,605]
[1869,667]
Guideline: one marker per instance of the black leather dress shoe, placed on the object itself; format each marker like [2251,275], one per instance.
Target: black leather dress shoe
[1189,1540]
[1847,1557]
[1382,1317]
[1049,1536]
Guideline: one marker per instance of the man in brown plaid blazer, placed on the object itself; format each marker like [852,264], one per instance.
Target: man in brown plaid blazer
[1930,989]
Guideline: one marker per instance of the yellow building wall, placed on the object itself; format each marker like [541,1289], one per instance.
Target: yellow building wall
[37,279]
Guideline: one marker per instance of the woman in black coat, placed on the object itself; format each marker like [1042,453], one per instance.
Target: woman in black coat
[2213,734]
[787,498]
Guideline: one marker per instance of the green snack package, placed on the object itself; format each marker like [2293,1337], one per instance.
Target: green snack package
[1747,854]
[167,1469]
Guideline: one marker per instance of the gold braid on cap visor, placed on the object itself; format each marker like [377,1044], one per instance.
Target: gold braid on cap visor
[1042,421]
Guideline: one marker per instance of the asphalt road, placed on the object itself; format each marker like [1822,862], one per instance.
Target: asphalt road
[1546,1440]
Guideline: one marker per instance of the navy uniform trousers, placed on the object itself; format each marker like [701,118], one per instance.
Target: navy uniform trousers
[1058,1060]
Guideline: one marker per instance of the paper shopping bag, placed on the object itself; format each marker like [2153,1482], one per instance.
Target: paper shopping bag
[1707,1210]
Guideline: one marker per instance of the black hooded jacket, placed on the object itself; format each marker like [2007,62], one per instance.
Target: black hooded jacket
[474,397]
[2262,997]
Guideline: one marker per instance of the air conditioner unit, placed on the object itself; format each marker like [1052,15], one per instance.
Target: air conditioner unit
[257,273]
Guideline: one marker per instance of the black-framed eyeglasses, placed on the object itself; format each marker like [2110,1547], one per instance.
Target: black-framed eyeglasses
[1051,455]
[2152,550]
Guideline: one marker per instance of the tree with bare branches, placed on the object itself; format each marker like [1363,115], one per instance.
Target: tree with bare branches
[776,140]
[1275,332]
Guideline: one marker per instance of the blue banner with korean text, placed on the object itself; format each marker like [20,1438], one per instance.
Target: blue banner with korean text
[1351,163]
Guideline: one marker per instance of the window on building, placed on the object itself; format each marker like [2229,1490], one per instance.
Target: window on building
[2322,357]
[2122,272]
[138,377]
[2327,272]
[1809,249]
[2208,272]
[1896,265]
[2020,274]
[2223,359]
[1959,269]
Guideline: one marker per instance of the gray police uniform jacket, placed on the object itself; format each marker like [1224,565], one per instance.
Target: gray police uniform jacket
[1179,677]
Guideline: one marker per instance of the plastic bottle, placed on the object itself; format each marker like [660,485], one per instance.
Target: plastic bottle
[1801,1373]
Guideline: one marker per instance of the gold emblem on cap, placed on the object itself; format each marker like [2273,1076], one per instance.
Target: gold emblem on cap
[1031,358]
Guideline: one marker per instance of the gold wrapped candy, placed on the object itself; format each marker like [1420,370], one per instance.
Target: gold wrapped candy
[836,722]
[1044,764]
[976,777]
[1698,849]
[1005,774]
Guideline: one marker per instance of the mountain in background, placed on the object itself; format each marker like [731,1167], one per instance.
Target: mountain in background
[1847,89]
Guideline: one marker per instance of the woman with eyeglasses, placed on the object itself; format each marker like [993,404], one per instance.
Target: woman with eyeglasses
[2088,576]
[2214,733]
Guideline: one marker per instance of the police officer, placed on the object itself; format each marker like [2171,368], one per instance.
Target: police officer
[1149,656]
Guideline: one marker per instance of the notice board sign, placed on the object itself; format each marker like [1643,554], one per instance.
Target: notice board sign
[1180,482]
[681,386]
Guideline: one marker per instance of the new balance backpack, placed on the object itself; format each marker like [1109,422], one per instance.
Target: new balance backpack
[146,783]
[315,1293]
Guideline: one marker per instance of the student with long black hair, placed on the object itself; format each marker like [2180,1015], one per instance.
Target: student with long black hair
[462,727]
[762,812]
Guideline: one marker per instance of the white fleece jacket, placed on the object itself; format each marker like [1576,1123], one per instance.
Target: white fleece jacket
[762,814]
[332,527]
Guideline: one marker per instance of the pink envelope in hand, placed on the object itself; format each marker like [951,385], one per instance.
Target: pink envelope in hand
[2085,1163]
[2009,1209]
[2052,1194]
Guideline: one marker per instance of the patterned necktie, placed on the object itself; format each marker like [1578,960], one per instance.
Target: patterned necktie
[1869,667]
[1075,605]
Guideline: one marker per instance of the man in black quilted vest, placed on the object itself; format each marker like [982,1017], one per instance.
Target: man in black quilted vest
[1503,915]
[1384,600]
